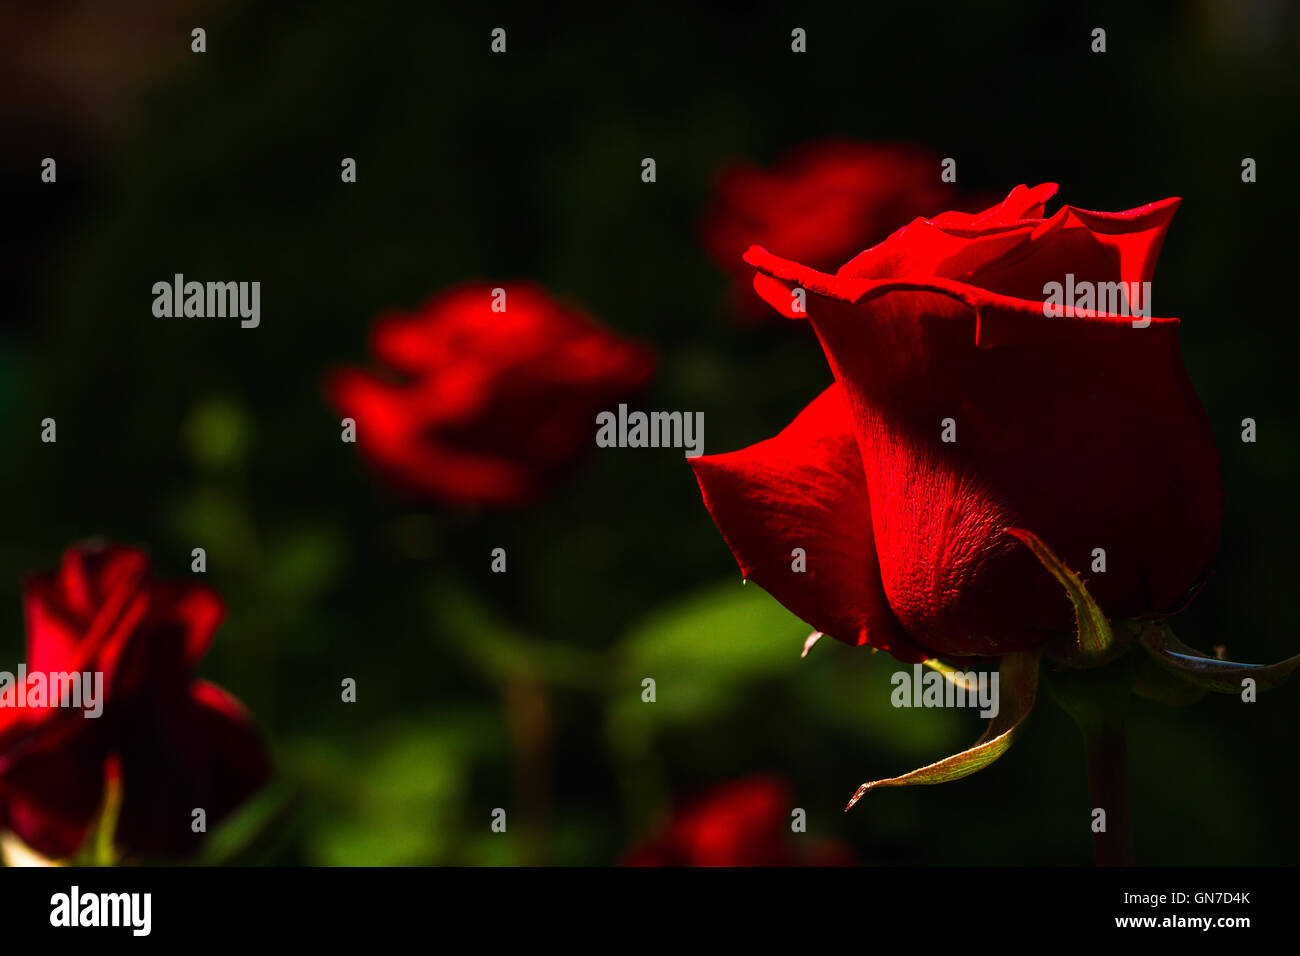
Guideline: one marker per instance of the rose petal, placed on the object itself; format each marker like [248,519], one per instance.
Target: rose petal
[1093,247]
[1017,257]
[396,439]
[204,754]
[1000,320]
[51,783]
[1021,203]
[805,489]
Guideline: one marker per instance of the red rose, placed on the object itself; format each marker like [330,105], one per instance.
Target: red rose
[486,406]
[820,205]
[743,823]
[1084,430]
[176,743]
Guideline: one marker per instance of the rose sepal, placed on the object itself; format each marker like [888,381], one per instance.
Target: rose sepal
[1017,690]
[1204,672]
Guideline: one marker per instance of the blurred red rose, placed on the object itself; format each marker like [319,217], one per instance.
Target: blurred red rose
[175,743]
[1083,429]
[820,205]
[483,406]
[742,823]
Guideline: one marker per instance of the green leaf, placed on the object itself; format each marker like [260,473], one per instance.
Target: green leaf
[254,831]
[1017,688]
[1204,671]
[499,649]
[729,631]
[1095,641]
[404,799]
[702,649]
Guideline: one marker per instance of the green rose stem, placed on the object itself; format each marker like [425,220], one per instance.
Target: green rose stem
[1097,700]
[1108,788]
[527,706]
[99,849]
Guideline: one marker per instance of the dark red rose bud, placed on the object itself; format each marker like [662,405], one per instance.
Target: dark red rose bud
[742,823]
[961,409]
[174,743]
[489,395]
[820,205]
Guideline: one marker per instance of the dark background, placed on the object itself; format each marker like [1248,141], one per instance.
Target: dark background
[522,690]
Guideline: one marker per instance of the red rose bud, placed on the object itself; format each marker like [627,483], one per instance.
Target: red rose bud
[743,823]
[820,205]
[170,744]
[960,410]
[491,393]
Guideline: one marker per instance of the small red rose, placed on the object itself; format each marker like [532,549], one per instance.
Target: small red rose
[174,743]
[961,409]
[743,823]
[490,394]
